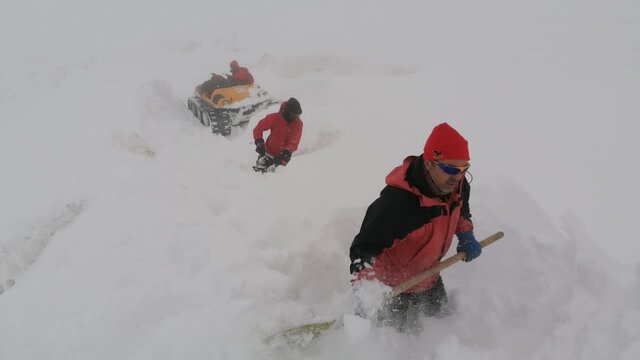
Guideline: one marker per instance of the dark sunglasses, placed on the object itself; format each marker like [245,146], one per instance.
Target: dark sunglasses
[452,170]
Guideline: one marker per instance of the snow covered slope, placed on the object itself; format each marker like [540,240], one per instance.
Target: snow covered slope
[133,233]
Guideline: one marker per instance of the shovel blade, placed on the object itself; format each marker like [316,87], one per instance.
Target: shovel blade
[301,335]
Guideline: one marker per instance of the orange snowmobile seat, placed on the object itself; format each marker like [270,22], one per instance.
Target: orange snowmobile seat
[224,96]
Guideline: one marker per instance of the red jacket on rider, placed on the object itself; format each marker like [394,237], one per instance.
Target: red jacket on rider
[239,75]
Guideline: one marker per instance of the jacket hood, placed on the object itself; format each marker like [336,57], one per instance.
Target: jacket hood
[398,177]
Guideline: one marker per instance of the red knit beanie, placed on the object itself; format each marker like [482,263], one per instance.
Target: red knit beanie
[445,143]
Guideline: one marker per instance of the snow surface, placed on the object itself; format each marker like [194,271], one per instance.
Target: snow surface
[133,233]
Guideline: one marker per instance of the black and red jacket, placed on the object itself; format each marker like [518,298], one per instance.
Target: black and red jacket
[408,229]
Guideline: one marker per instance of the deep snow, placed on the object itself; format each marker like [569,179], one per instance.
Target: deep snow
[133,233]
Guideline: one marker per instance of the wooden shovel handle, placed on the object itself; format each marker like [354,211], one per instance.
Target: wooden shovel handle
[317,329]
[417,279]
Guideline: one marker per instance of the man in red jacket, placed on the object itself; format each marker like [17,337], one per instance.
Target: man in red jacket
[410,227]
[285,129]
[239,75]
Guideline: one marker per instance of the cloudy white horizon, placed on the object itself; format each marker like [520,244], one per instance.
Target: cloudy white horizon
[132,232]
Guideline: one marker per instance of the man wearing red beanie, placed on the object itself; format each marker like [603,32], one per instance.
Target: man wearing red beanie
[410,227]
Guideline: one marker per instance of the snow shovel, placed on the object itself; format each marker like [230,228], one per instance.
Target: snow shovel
[305,333]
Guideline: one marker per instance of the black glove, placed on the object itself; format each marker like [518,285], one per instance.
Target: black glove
[260,147]
[284,156]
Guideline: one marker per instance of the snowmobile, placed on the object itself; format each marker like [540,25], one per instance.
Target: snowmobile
[224,107]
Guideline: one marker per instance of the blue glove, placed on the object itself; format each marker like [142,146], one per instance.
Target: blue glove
[468,244]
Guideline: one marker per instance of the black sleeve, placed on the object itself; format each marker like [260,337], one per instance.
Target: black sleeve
[391,217]
[466,194]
